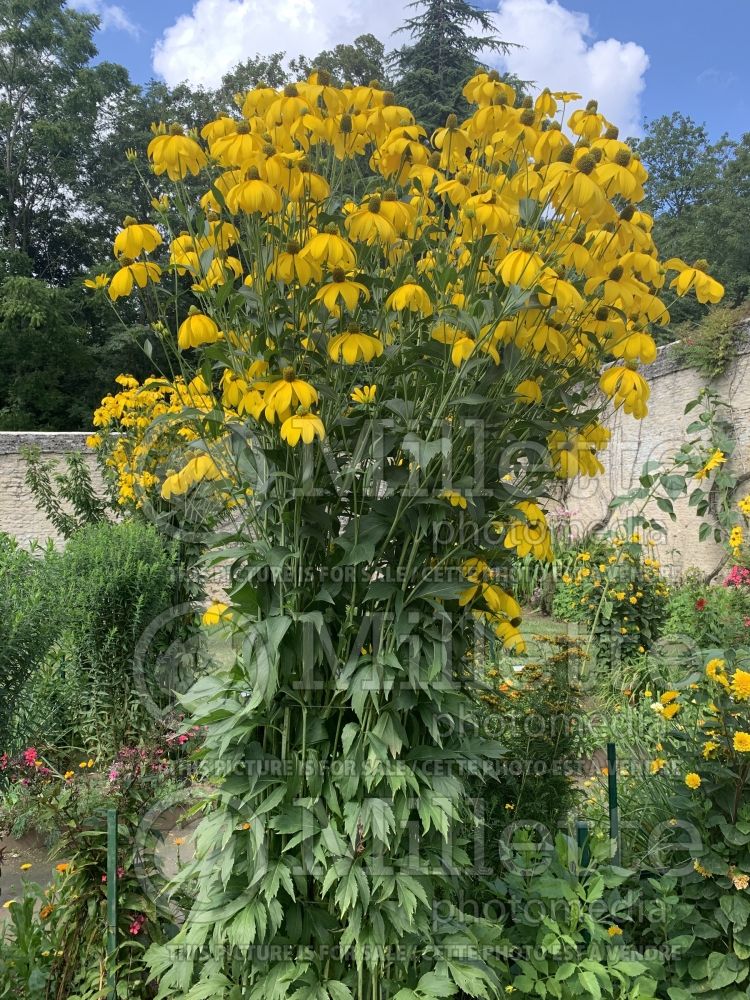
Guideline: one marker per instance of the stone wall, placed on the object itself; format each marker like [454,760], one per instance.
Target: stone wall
[633,443]
[658,437]
[18,513]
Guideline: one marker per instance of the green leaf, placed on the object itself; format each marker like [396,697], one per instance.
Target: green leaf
[590,983]
[737,908]
[437,986]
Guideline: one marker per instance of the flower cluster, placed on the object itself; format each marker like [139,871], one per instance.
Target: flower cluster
[618,590]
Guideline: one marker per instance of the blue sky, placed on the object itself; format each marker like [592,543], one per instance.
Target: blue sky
[646,57]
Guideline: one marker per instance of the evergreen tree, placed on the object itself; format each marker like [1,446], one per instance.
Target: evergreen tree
[447,39]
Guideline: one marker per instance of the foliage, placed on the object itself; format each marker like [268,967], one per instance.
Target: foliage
[620,594]
[58,351]
[534,711]
[55,943]
[709,616]
[68,499]
[442,54]
[53,99]
[346,319]
[113,581]
[27,628]
[563,929]
[699,192]
[710,345]
[705,769]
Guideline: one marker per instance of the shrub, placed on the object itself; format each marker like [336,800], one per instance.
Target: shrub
[28,625]
[55,943]
[704,769]
[113,581]
[535,714]
[618,593]
[709,616]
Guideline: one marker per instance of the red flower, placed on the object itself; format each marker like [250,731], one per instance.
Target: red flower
[700,604]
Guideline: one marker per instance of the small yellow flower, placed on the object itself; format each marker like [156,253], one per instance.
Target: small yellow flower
[100,281]
[25,866]
[364,394]
[741,685]
[8,903]
[614,931]
[657,765]
[454,498]
[68,775]
[741,742]
[693,780]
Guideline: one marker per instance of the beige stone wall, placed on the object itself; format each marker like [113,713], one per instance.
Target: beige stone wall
[18,513]
[634,442]
[658,437]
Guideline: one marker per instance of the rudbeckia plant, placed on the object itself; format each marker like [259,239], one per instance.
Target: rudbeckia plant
[398,341]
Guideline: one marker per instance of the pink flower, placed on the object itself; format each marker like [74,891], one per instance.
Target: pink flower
[738,576]
[29,756]
[135,927]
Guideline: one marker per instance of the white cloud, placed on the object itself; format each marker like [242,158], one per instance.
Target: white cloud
[560,52]
[111,15]
[558,48]
[217,34]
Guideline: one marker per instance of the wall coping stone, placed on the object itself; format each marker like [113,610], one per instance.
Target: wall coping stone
[48,442]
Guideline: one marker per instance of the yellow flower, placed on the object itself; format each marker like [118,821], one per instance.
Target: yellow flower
[364,394]
[706,288]
[8,903]
[693,780]
[175,154]
[68,775]
[627,388]
[531,534]
[100,281]
[215,614]
[287,392]
[138,273]
[657,765]
[25,866]
[410,296]
[715,671]
[718,458]
[196,330]
[136,238]
[671,710]
[614,931]
[454,498]
[303,427]
[741,742]
[528,392]
[341,288]
[253,196]
[521,267]
[709,747]
[669,696]
[353,346]
[741,685]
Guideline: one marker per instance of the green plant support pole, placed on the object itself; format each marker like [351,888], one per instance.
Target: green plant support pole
[111,902]
[614,809]
[584,843]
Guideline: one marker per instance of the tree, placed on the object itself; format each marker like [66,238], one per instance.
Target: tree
[359,63]
[444,53]
[51,99]
[60,352]
[686,172]
[683,164]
